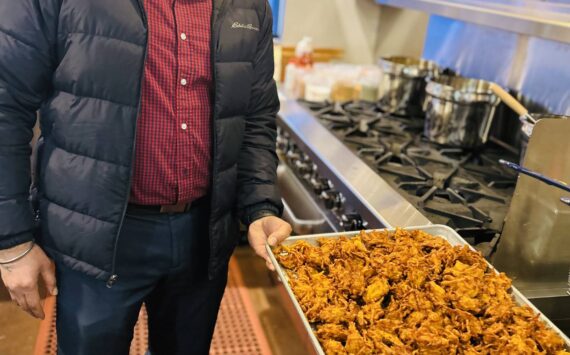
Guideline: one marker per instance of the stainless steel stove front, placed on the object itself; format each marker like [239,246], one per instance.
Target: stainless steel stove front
[355,187]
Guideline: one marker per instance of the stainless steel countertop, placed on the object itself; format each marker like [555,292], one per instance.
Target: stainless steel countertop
[540,19]
[362,187]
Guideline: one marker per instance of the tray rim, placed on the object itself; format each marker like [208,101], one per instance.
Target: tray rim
[515,293]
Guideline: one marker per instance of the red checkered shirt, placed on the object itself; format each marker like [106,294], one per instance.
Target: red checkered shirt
[173,158]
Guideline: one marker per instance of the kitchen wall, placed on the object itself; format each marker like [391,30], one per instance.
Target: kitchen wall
[363,29]
[535,67]
[401,32]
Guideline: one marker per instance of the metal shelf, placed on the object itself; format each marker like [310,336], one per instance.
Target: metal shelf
[534,18]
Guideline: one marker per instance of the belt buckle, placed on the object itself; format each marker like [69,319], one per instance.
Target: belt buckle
[180,207]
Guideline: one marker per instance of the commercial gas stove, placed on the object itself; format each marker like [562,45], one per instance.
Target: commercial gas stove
[464,189]
[365,168]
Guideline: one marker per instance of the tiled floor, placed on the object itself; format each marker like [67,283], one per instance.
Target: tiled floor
[18,330]
[272,310]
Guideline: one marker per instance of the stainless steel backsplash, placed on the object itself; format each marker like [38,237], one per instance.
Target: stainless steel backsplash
[537,69]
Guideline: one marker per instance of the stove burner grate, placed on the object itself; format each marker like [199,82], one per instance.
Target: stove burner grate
[465,189]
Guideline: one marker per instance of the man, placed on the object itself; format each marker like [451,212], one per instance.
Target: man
[158,131]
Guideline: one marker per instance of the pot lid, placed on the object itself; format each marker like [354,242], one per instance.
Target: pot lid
[408,66]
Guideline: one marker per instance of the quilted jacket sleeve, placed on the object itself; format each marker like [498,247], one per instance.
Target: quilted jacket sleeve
[27,28]
[258,193]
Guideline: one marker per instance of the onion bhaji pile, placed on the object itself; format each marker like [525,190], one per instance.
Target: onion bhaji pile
[408,292]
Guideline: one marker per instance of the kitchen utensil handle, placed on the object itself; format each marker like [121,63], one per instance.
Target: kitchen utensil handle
[534,174]
[509,100]
[565,200]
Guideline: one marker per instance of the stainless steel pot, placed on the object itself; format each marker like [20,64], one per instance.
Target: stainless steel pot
[459,111]
[527,127]
[403,83]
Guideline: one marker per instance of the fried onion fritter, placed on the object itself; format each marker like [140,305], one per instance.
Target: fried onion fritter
[408,292]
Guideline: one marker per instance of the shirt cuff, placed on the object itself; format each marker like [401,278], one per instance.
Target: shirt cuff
[12,241]
[257,211]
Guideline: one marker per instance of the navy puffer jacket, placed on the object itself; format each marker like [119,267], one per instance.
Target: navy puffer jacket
[80,62]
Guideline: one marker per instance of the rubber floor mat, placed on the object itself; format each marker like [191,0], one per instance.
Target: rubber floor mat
[238,330]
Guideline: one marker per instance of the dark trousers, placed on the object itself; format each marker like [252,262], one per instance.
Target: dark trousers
[161,261]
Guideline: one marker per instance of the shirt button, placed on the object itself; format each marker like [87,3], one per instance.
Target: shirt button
[184,126]
[183,82]
[183,36]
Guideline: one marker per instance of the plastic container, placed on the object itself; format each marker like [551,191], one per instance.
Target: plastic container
[318,87]
[298,67]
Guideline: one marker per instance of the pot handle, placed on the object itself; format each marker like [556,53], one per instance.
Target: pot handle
[556,183]
[510,101]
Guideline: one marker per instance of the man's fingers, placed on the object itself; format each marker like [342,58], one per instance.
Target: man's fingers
[14,298]
[20,300]
[279,235]
[257,242]
[261,251]
[33,304]
[270,265]
[22,281]
[278,231]
[48,274]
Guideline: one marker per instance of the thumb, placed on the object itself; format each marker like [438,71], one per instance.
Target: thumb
[48,275]
[257,239]
[279,235]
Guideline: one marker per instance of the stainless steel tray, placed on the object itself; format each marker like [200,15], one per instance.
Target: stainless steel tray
[299,209]
[442,231]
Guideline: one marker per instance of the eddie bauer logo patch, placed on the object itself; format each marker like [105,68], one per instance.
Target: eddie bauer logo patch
[249,26]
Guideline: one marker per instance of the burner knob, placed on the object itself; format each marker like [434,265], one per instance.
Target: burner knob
[351,222]
[314,169]
[282,144]
[332,199]
[319,184]
[305,157]
[303,167]
[293,156]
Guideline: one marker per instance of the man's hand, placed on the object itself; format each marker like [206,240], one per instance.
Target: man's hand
[21,277]
[272,230]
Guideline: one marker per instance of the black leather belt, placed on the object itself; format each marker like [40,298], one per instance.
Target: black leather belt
[181,207]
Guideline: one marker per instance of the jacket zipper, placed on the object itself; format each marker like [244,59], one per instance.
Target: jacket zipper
[114,277]
[214,41]
[215,33]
